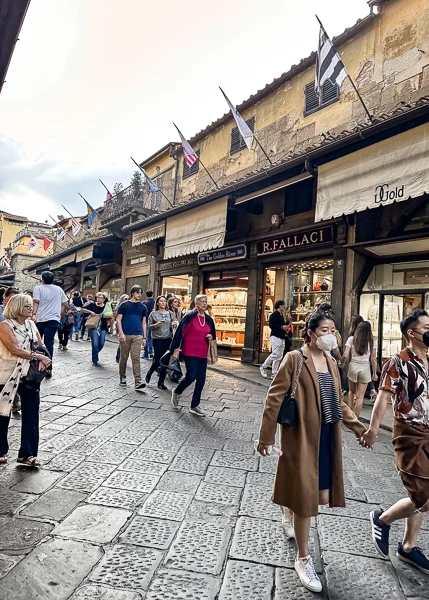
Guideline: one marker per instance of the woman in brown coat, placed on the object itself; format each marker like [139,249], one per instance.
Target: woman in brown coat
[310,470]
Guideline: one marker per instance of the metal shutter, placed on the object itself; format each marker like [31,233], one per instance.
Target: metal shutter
[237,142]
[189,171]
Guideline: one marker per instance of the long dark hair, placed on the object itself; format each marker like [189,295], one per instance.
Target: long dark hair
[363,340]
[157,302]
[315,320]
[356,320]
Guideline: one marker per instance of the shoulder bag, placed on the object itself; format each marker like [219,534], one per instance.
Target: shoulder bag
[108,311]
[288,410]
[93,321]
[212,353]
[35,377]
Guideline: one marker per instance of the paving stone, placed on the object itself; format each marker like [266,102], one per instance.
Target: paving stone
[86,477]
[181,585]
[345,534]
[190,459]
[376,482]
[163,439]
[150,455]
[256,502]
[235,461]
[81,429]
[7,563]
[150,532]
[262,541]
[109,410]
[166,505]
[210,512]
[11,502]
[81,412]
[66,461]
[101,592]
[219,494]
[68,420]
[357,510]
[37,482]
[131,437]
[93,523]
[288,586]
[55,504]
[18,536]
[89,444]
[225,476]
[247,581]
[413,582]
[57,444]
[268,464]
[199,547]
[111,452]
[206,441]
[52,571]
[53,428]
[59,409]
[127,566]
[142,466]
[139,482]
[118,498]
[234,445]
[75,402]
[56,399]
[173,481]
[262,479]
[366,579]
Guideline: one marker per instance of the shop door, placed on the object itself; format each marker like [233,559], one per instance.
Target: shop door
[142,281]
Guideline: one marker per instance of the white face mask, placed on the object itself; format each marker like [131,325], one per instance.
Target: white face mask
[326,342]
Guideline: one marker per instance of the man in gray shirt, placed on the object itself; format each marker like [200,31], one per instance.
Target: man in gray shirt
[49,301]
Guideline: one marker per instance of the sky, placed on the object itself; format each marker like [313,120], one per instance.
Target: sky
[93,82]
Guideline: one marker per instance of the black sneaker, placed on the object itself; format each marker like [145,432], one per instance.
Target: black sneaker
[415,557]
[139,387]
[380,533]
[48,372]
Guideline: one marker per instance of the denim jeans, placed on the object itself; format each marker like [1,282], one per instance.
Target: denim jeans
[47,330]
[77,322]
[148,349]
[30,402]
[83,319]
[97,342]
[196,369]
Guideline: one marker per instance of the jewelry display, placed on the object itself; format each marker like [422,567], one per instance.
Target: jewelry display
[228,307]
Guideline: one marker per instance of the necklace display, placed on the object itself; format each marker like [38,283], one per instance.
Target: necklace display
[204,320]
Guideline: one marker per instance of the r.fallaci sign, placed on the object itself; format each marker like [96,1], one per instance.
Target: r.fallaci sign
[222,255]
[292,241]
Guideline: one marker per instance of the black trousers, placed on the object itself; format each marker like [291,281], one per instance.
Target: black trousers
[47,330]
[30,403]
[64,333]
[160,347]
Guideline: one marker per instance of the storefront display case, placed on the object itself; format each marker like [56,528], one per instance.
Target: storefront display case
[181,287]
[228,309]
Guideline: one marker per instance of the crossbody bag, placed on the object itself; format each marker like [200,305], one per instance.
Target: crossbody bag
[288,410]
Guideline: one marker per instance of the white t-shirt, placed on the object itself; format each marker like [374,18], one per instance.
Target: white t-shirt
[355,355]
[50,299]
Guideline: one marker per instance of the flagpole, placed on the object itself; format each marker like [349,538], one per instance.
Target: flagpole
[160,190]
[66,232]
[86,230]
[371,118]
[105,187]
[198,158]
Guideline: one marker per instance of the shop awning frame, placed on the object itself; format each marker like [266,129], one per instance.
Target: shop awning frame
[273,188]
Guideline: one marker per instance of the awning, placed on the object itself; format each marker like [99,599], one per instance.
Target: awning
[85,253]
[196,230]
[392,170]
[273,188]
[65,260]
[146,235]
[394,248]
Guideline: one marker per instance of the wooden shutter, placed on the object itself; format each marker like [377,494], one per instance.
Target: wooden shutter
[189,171]
[237,142]
[330,92]
[299,197]
[311,97]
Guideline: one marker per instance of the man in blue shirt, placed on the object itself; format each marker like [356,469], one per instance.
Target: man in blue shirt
[131,322]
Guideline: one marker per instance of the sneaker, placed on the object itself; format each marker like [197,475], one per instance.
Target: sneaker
[48,372]
[65,347]
[380,533]
[263,371]
[197,411]
[60,346]
[414,557]
[81,337]
[139,387]
[307,574]
[175,398]
[287,522]
[123,381]
[76,337]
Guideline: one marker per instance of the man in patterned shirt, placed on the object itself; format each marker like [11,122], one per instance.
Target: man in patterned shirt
[405,380]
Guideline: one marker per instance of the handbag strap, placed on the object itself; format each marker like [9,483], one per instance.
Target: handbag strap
[298,374]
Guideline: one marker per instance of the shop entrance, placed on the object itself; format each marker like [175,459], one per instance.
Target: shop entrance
[181,287]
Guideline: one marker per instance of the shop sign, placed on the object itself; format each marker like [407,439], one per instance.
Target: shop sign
[84,254]
[138,260]
[222,255]
[137,271]
[301,239]
[177,264]
[384,194]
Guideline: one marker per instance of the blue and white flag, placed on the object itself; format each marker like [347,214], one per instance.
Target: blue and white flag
[245,131]
[151,185]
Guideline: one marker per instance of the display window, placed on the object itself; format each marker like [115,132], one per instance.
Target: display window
[303,286]
[181,287]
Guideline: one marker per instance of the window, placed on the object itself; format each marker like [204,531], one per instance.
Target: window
[189,171]
[299,197]
[16,223]
[156,197]
[237,142]
[313,102]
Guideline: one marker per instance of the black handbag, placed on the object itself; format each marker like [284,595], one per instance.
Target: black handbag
[172,366]
[35,377]
[288,410]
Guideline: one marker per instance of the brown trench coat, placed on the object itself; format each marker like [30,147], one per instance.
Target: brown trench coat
[297,479]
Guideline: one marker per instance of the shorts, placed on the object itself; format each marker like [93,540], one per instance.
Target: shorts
[359,372]
[417,488]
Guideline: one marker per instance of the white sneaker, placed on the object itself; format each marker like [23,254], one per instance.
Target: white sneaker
[175,398]
[307,574]
[197,411]
[263,371]
[287,522]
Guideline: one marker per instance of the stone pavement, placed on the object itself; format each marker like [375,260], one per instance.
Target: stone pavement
[137,500]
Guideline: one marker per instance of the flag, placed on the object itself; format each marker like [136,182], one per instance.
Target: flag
[328,63]
[76,226]
[245,131]
[5,264]
[92,213]
[60,232]
[152,187]
[190,155]
[33,244]
[46,243]
[108,196]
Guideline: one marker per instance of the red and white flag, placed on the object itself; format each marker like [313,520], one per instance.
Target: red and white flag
[46,243]
[189,153]
[33,244]
[76,226]
[108,195]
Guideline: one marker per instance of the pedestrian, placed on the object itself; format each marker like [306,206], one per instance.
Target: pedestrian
[405,381]
[49,302]
[193,335]
[7,295]
[161,323]
[123,298]
[78,302]
[309,471]
[327,308]
[18,336]
[174,307]
[131,322]
[84,317]
[150,304]
[278,328]
[68,321]
[362,348]
[99,332]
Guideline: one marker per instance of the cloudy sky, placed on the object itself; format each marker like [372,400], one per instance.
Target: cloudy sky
[92,82]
